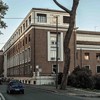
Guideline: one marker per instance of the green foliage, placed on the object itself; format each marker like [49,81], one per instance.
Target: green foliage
[3,9]
[97,81]
[81,78]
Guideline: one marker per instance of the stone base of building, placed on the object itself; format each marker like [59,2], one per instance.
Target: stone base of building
[38,80]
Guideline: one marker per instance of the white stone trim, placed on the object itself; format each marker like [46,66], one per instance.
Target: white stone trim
[48,38]
[61,46]
[85,37]
[48,27]
[88,47]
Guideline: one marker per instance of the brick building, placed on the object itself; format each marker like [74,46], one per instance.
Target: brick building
[88,50]
[30,53]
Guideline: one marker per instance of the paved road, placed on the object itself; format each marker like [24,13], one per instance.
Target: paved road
[37,94]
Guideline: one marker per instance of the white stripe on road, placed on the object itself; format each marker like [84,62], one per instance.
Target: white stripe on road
[2,97]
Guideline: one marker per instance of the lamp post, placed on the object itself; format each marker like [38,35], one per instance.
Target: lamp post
[56,52]
[75,48]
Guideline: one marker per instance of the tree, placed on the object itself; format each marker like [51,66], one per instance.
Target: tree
[3,9]
[72,14]
[81,77]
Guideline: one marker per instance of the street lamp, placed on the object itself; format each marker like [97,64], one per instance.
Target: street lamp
[75,49]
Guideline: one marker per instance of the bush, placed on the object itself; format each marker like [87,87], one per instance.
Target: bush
[81,78]
[97,81]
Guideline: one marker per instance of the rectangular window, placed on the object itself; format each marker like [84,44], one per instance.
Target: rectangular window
[23,42]
[20,56]
[20,44]
[21,29]
[98,56]
[23,56]
[42,18]
[66,19]
[26,40]
[29,20]
[98,69]
[53,47]
[86,56]
[23,26]
[29,38]
[54,69]
[87,67]
[29,54]
[26,23]
[26,55]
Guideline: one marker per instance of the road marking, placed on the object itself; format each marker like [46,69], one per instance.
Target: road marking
[2,97]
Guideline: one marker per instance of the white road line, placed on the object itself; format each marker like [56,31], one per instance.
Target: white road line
[1,96]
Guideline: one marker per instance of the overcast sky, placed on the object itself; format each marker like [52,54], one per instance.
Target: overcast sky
[88,14]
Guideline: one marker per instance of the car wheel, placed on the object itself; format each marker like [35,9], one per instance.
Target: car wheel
[23,92]
[7,92]
[10,92]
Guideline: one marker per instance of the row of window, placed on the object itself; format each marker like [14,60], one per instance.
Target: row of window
[20,58]
[27,70]
[20,30]
[42,18]
[17,48]
[97,68]
[87,56]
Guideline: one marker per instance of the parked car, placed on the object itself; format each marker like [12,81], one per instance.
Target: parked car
[15,86]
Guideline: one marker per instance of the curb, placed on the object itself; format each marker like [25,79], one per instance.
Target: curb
[69,92]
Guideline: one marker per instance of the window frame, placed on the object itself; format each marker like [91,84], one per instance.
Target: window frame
[88,66]
[98,56]
[41,18]
[97,70]
[86,55]
[52,69]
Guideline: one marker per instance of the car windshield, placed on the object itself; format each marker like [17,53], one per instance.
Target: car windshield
[15,82]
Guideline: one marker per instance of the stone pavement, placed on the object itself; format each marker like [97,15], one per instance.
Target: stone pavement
[70,91]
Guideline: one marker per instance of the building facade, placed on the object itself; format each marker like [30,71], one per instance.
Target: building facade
[30,53]
[1,63]
[88,50]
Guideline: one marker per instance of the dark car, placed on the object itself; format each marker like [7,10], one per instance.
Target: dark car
[15,86]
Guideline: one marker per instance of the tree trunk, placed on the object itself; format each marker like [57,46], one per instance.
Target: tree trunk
[72,14]
[66,69]
[66,45]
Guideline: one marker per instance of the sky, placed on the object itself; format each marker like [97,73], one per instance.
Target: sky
[87,17]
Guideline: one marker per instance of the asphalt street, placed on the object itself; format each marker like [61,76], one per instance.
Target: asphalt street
[32,93]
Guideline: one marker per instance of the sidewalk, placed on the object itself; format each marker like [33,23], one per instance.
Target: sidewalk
[70,91]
